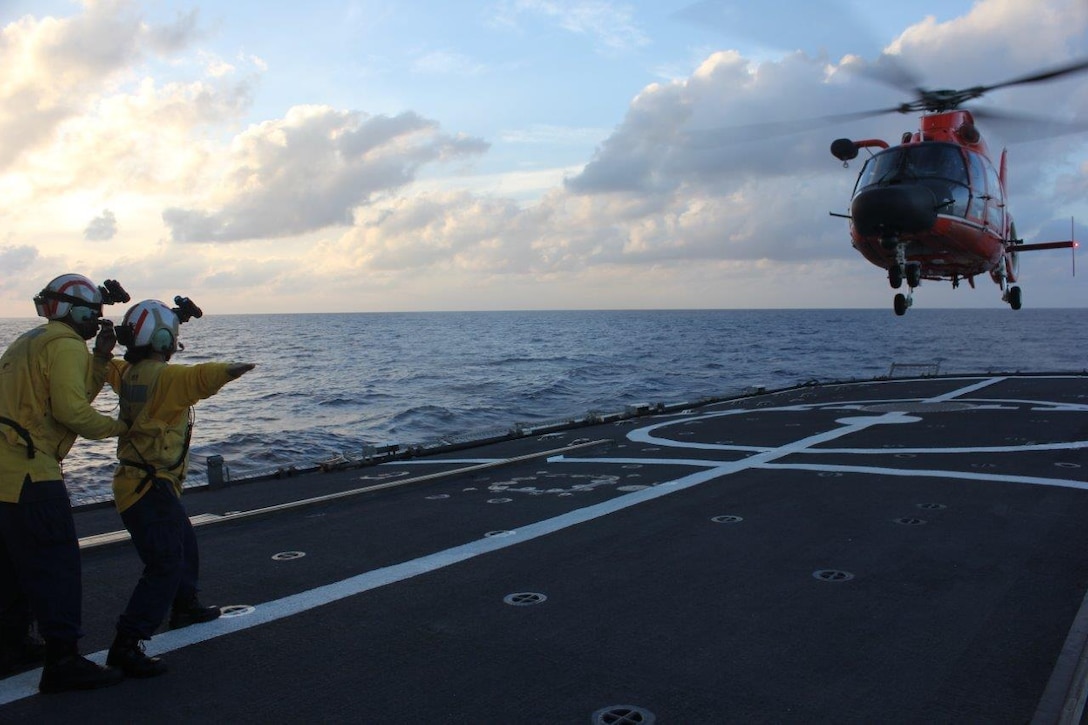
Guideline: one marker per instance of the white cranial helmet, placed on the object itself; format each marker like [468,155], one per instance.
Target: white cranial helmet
[149,324]
[69,293]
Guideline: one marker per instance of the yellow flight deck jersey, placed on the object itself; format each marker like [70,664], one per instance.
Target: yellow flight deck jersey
[47,383]
[156,399]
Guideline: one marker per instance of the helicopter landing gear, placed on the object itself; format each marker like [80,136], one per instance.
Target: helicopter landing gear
[914,274]
[1012,295]
[1013,298]
[895,271]
[900,270]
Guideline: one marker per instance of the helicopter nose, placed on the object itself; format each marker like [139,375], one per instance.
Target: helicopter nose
[894,209]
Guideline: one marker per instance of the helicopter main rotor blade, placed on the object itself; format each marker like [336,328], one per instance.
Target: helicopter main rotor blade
[1075,67]
[1020,127]
[726,135]
[888,70]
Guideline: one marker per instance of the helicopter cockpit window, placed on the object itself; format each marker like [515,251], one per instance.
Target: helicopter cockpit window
[880,169]
[939,166]
[937,160]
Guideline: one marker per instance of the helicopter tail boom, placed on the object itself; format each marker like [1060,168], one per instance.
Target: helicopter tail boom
[1044,245]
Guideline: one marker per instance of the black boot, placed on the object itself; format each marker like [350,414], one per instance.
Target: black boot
[190,611]
[66,670]
[19,653]
[127,654]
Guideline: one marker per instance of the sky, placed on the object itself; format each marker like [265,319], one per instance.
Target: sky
[264,156]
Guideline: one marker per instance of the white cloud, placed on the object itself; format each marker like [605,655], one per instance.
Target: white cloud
[102,228]
[311,170]
[16,261]
[55,68]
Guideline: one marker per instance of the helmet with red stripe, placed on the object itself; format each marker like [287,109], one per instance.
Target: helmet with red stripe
[149,324]
[70,295]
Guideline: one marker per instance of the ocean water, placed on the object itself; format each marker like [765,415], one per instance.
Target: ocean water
[329,384]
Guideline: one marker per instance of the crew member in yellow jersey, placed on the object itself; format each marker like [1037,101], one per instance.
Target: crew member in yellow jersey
[47,382]
[156,403]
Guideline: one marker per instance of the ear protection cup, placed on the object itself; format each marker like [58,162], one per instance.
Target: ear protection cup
[124,335]
[162,341]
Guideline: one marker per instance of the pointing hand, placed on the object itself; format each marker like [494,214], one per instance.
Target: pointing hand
[237,370]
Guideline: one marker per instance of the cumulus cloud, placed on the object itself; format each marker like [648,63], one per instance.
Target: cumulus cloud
[453,230]
[148,140]
[25,271]
[733,119]
[55,68]
[565,233]
[102,228]
[311,170]
[16,259]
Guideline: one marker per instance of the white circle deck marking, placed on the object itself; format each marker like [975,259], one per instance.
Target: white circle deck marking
[938,406]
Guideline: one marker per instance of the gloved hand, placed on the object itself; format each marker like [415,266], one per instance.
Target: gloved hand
[237,370]
[106,339]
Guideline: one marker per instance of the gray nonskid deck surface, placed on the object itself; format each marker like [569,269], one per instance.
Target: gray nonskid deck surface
[901,551]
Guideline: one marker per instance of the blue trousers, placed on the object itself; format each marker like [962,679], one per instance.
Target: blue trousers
[40,570]
[165,540]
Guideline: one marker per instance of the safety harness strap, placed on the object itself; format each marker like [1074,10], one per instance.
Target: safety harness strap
[23,433]
[151,473]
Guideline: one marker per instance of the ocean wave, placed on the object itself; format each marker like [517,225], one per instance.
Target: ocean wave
[339,382]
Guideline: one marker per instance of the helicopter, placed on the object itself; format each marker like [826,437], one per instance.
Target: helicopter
[934,206]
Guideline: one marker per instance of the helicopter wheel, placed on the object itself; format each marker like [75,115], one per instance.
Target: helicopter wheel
[895,276]
[901,303]
[914,274]
[1015,300]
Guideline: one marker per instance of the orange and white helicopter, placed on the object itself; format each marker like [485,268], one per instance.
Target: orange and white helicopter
[934,207]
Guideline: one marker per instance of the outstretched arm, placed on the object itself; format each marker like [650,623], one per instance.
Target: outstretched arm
[181,386]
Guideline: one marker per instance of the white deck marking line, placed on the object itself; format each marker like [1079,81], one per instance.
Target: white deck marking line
[1022,448]
[916,472]
[90,542]
[838,468]
[25,684]
[952,395]
[1067,689]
